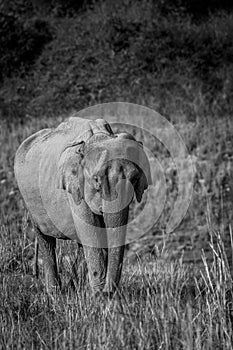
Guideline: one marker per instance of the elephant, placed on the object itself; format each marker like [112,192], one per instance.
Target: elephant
[77,181]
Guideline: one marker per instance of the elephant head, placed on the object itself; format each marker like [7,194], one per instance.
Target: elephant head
[101,176]
[94,170]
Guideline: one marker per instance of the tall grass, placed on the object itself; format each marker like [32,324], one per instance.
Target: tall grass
[160,304]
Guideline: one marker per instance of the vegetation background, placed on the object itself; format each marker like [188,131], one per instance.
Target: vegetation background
[57,57]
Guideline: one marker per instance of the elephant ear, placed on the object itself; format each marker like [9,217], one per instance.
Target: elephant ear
[140,186]
[144,179]
[101,125]
[70,171]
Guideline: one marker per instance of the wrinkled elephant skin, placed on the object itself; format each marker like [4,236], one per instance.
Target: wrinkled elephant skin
[78,181]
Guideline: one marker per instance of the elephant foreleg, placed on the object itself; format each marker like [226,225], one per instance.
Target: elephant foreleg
[96,263]
[116,231]
[79,270]
[47,247]
[115,262]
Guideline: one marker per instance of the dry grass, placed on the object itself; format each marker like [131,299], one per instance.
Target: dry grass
[161,304]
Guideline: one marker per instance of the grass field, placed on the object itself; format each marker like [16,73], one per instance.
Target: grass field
[160,305]
[176,290]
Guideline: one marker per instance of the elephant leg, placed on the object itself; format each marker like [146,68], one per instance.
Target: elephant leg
[115,262]
[78,270]
[116,224]
[92,234]
[96,264]
[47,247]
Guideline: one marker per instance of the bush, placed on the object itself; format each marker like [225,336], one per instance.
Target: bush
[60,8]
[197,9]
[20,44]
[70,7]
[205,50]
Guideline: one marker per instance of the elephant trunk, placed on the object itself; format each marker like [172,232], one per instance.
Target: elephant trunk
[92,235]
[116,225]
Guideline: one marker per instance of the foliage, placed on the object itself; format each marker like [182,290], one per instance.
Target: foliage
[197,9]
[70,7]
[20,42]
[127,52]
[17,8]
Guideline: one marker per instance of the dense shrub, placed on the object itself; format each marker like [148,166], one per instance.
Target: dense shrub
[60,8]
[70,7]
[17,8]
[28,8]
[198,9]
[21,44]
[204,50]
[127,50]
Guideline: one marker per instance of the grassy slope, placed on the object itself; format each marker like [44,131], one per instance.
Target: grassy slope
[91,61]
